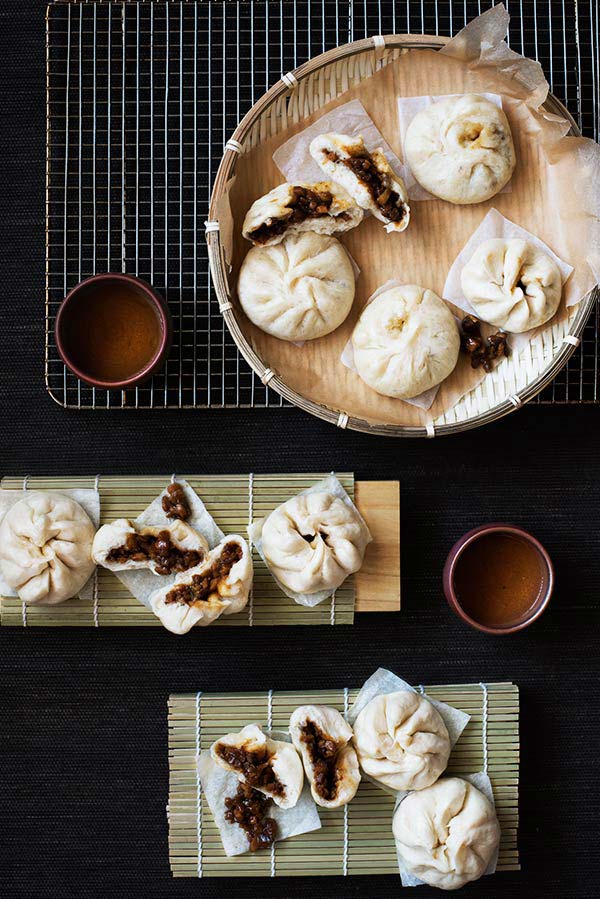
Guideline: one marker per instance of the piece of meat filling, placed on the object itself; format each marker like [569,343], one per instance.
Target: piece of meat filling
[255,766]
[159,548]
[248,810]
[323,752]
[203,585]
[174,503]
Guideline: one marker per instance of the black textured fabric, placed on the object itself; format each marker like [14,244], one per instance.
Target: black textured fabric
[83,735]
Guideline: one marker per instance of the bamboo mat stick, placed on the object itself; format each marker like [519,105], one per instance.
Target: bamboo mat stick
[358,841]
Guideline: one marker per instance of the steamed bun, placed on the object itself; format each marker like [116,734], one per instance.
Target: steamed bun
[512,284]
[46,547]
[314,541]
[272,767]
[323,739]
[402,741]
[300,289]
[405,342]
[324,207]
[447,834]
[219,585]
[367,176]
[461,149]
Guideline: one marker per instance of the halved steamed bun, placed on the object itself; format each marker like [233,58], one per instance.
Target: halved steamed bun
[272,767]
[405,342]
[366,175]
[402,741]
[512,283]
[447,834]
[323,739]
[323,207]
[220,585]
[124,545]
[46,547]
[300,289]
[314,541]
[461,149]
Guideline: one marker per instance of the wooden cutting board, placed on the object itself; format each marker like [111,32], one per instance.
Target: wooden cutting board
[378,581]
[376,588]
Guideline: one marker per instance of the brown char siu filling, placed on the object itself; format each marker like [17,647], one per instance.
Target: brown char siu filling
[248,809]
[390,203]
[254,765]
[204,584]
[323,753]
[157,548]
[174,504]
[305,204]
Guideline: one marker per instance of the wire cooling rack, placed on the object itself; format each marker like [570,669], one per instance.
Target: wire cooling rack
[141,99]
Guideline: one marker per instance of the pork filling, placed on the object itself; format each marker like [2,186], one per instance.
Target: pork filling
[248,810]
[323,753]
[203,585]
[390,203]
[156,548]
[254,765]
[174,502]
[304,204]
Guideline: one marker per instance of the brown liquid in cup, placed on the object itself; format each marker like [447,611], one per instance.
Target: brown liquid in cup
[498,578]
[113,332]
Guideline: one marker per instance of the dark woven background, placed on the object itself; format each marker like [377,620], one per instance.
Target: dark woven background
[83,736]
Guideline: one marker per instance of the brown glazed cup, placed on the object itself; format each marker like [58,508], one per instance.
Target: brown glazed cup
[546,584]
[78,294]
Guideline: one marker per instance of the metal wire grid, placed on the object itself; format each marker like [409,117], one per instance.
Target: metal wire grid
[141,99]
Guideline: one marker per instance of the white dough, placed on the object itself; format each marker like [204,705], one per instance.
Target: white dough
[46,547]
[402,741]
[314,541]
[512,284]
[114,535]
[282,758]
[300,289]
[278,206]
[405,342]
[461,149]
[332,152]
[330,726]
[227,597]
[447,834]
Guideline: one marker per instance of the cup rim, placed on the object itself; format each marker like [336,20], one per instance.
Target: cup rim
[455,554]
[154,298]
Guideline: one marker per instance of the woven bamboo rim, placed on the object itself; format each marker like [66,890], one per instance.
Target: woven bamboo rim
[354,841]
[381,50]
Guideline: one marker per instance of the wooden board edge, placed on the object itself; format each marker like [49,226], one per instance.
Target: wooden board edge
[377,584]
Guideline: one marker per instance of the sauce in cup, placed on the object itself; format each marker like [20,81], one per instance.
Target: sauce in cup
[498,578]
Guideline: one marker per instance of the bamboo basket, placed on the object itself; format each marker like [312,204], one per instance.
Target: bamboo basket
[357,840]
[232,500]
[299,93]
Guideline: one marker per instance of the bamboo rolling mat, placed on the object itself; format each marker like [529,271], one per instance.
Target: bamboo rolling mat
[232,500]
[356,841]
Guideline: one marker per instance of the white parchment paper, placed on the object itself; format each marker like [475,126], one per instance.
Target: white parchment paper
[218,784]
[480,781]
[408,107]
[142,583]
[383,682]
[89,500]
[293,157]
[494,224]
[329,484]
